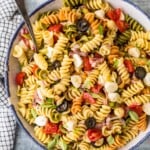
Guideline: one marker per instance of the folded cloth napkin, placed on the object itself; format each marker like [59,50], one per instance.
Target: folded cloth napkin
[9,20]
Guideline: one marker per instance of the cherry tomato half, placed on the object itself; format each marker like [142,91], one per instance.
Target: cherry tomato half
[56,28]
[94,134]
[96,88]
[86,64]
[122,25]
[137,108]
[51,128]
[88,98]
[20,78]
[114,14]
[129,66]
[55,38]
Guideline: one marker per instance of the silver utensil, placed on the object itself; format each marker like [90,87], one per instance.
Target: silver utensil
[22,8]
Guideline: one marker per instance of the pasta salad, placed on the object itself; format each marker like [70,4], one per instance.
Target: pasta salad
[88,86]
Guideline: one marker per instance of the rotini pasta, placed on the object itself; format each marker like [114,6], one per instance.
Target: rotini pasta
[93,44]
[133,89]
[134,25]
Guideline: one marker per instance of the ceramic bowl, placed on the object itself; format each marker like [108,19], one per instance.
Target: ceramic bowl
[13,66]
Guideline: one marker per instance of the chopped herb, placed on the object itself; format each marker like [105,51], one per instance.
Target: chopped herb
[148,63]
[134,116]
[101,29]
[110,140]
[33,113]
[53,143]
[115,64]
[49,103]
[112,104]
[62,144]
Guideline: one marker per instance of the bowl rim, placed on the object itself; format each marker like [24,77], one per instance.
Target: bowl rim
[7,69]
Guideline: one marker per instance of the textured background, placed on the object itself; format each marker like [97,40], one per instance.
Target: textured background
[23,141]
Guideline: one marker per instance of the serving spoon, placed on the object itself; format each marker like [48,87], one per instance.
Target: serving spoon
[22,8]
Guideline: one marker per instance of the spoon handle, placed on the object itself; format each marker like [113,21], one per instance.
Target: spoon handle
[23,11]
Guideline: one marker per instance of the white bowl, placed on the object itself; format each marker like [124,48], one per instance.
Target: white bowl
[13,66]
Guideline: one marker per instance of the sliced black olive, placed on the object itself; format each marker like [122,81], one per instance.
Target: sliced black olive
[57,64]
[62,107]
[82,25]
[90,122]
[140,72]
[98,143]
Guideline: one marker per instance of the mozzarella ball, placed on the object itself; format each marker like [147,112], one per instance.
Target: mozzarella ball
[70,125]
[146,108]
[100,14]
[41,121]
[113,97]
[77,60]
[134,52]
[111,87]
[147,79]
[76,80]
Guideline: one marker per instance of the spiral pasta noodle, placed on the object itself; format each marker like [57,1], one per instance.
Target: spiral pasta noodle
[118,142]
[141,43]
[98,104]
[114,53]
[48,38]
[53,77]
[142,123]
[94,26]
[130,134]
[91,45]
[40,61]
[38,37]
[32,80]
[26,113]
[59,48]
[28,69]
[63,13]
[140,34]
[106,46]
[102,113]
[133,89]
[140,99]
[123,37]
[73,3]
[105,71]
[72,93]
[133,23]
[19,53]
[94,4]
[74,135]
[76,106]
[122,71]
[41,135]
[49,20]
[26,94]
[91,79]
[90,17]
[50,113]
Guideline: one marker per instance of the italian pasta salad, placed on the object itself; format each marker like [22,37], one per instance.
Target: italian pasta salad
[88,86]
